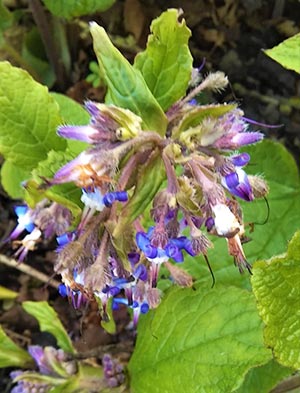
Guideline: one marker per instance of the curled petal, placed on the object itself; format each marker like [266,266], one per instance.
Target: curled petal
[237,184]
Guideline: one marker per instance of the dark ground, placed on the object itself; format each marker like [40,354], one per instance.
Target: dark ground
[230,35]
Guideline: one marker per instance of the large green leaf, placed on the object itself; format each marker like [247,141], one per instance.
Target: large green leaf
[28,118]
[11,354]
[280,171]
[72,113]
[71,8]
[198,340]
[166,64]
[263,378]
[276,285]
[287,53]
[49,322]
[12,177]
[126,86]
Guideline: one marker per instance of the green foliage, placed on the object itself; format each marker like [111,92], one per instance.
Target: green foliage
[6,18]
[70,110]
[6,293]
[68,194]
[94,77]
[150,179]
[11,354]
[28,118]
[69,9]
[12,177]
[33,52]
[49,322]
[263,378]
[203,339]
[126,86]
[287,53]
[166,64]
[276,285]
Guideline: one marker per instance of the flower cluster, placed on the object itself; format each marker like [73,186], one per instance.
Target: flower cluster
[50,362]
[191,179]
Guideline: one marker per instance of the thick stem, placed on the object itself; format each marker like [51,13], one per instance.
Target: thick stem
[171,175]
[54,57]
[30,271]
[15,55]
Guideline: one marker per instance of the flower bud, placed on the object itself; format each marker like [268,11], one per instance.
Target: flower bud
[259,186]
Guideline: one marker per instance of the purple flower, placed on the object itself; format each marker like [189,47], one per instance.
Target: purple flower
[25,221]
[237,184]
[81,133]
[111,197]
[235,132]
[240,159]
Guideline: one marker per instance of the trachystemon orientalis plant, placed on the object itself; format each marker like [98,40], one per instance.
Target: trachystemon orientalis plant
[161,175]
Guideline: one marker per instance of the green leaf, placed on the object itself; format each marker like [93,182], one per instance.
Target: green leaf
[263,378]
[12,177]
[126,86]
[72,113]
[11,354]
[70,386]
[149,181]
[6,293]
[280,171]
[287,53]
[33,53]
[166,64]
[108,323]
[204,340]
[67,194]
[6,17]
[49,322]
[69,9]
[276,285]
[28,118]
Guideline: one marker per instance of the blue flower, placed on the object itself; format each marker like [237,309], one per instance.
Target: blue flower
[25,221]
[237,184]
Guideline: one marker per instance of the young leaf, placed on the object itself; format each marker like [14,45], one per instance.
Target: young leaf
[263,378]
[12,177]
[49,322]
[69,9]
[287,53]
[28,119]
[276,285]
[6,293]
[202,340]
[126,86]
[150,179]
[166,64]
[11,354]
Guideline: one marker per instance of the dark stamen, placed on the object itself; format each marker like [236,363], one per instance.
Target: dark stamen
[210,269]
